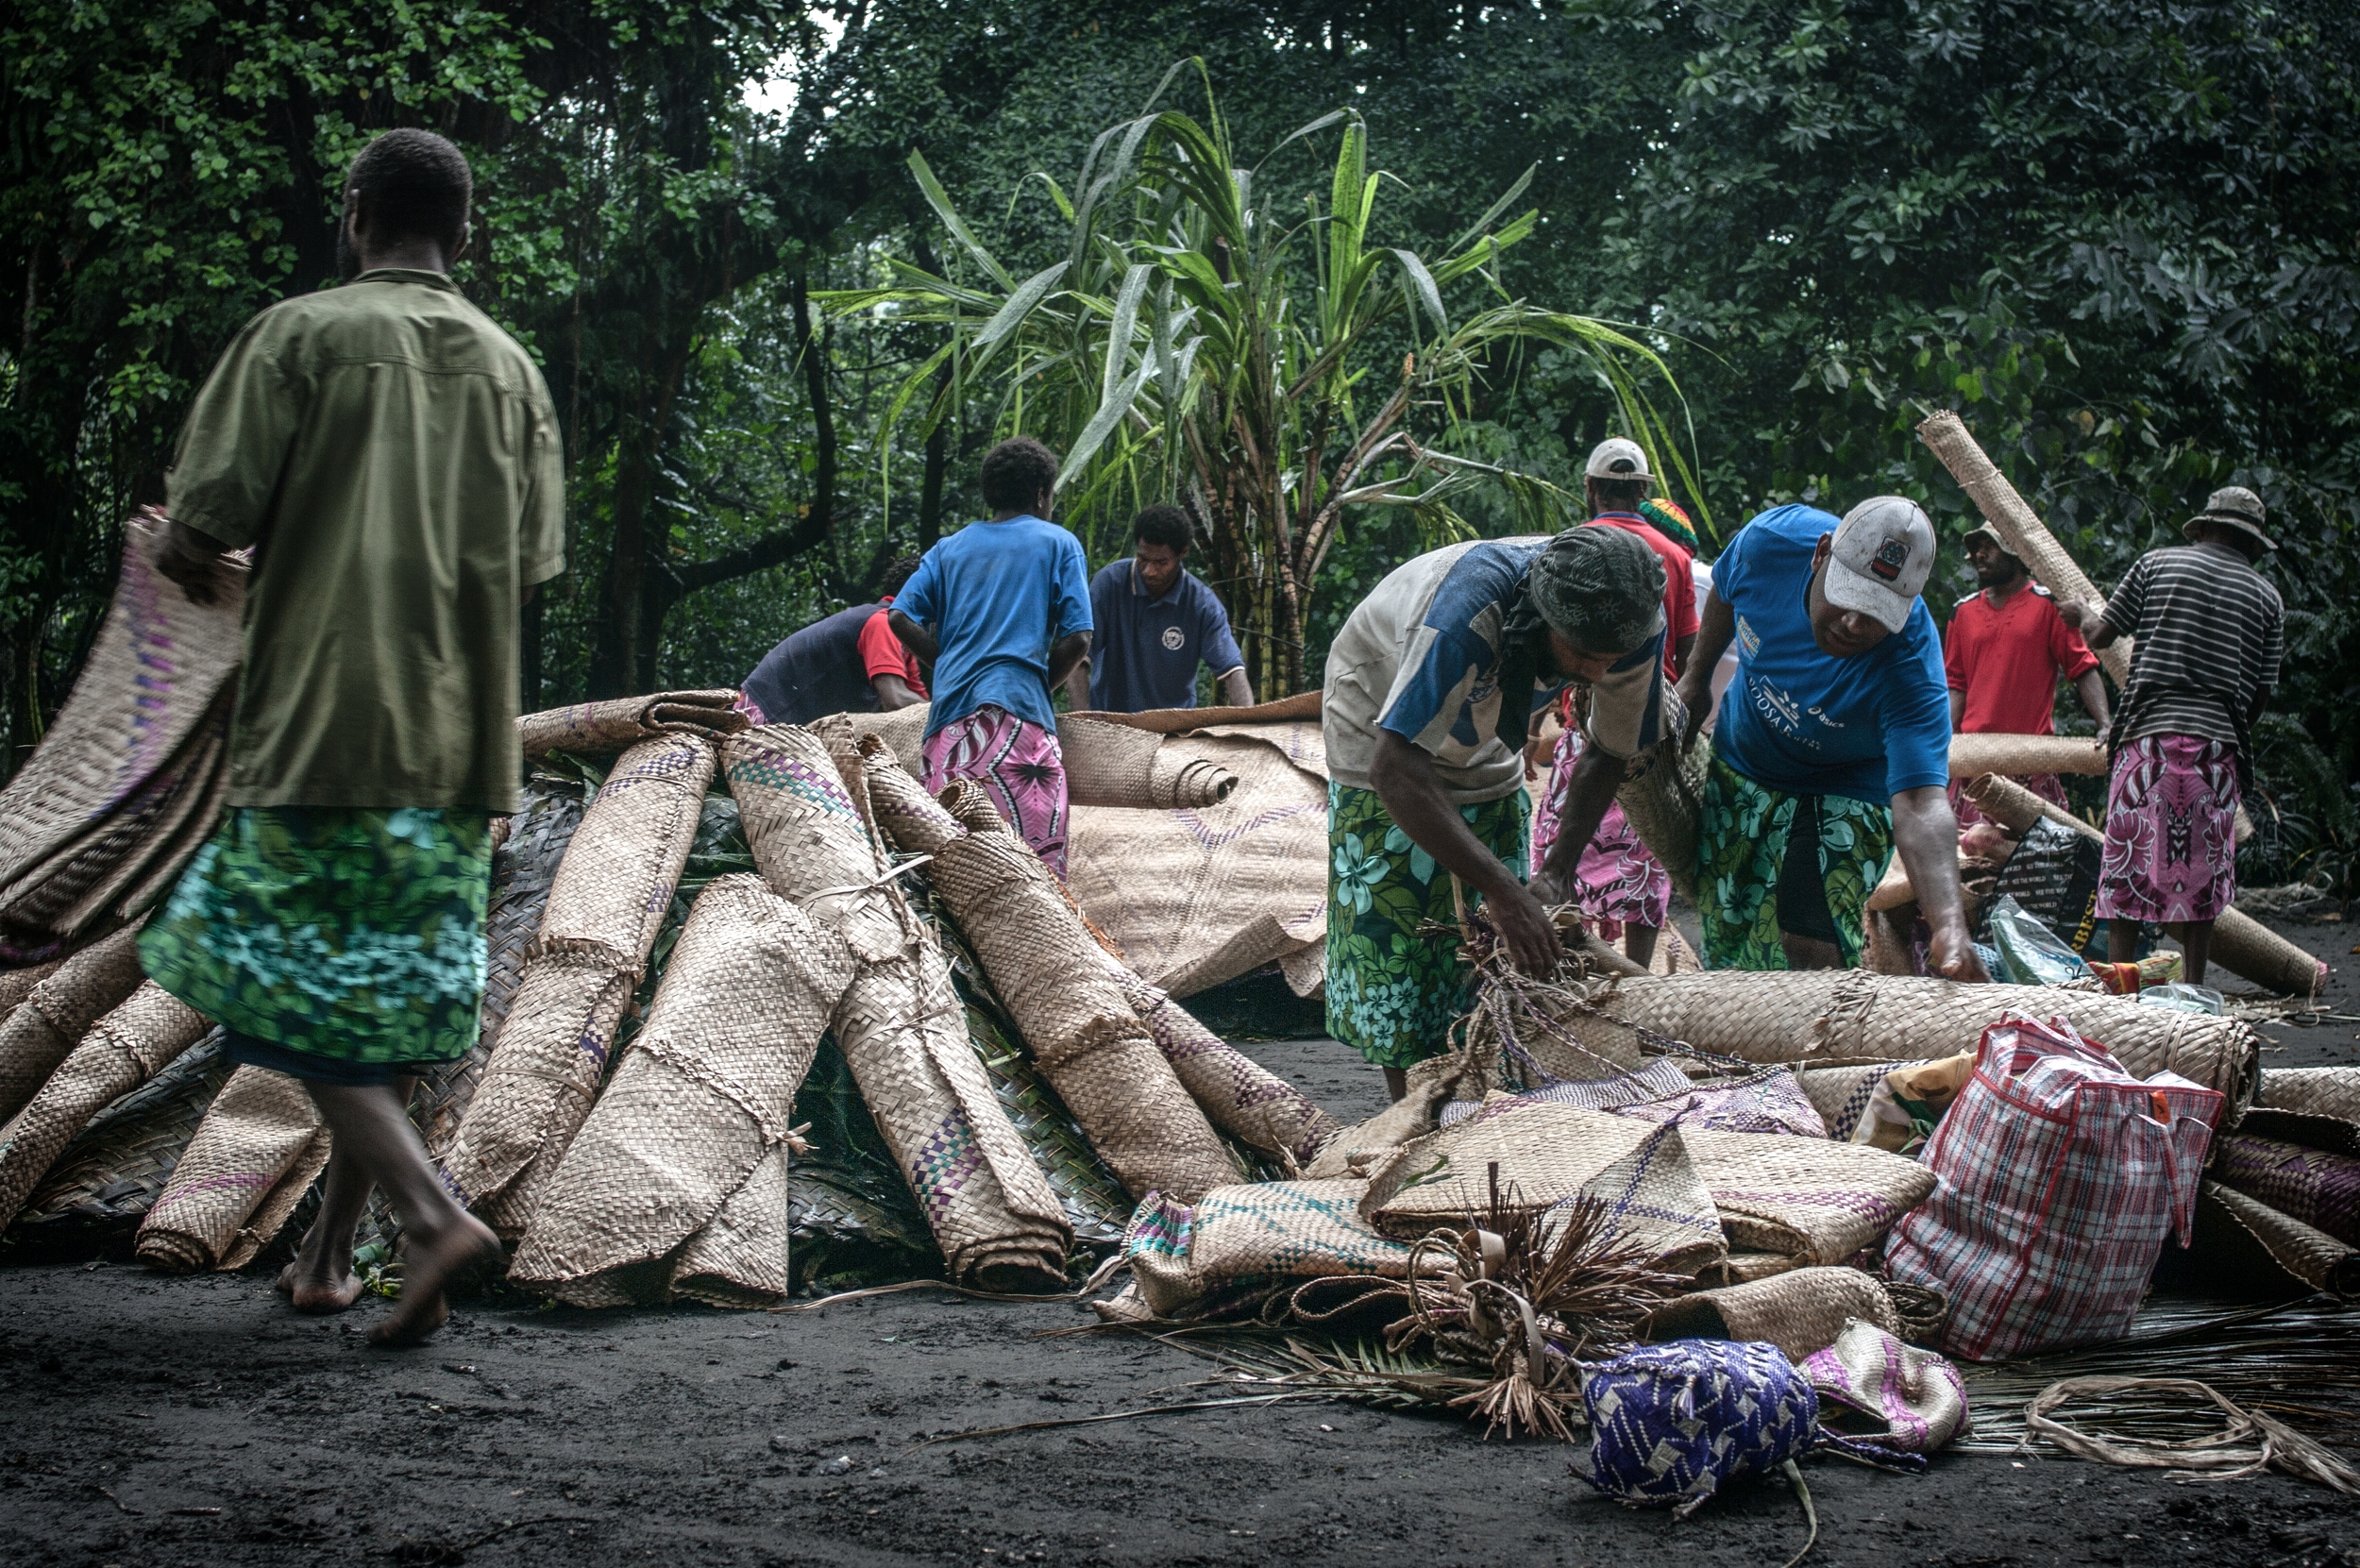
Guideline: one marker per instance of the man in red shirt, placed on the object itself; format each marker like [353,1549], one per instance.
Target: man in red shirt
[2004,650]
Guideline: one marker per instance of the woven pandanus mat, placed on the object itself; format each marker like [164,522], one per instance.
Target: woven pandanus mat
[2245,1246]
[122,1051]
[59,1010]
[2318,1187]
[912,820]
[900,1024]
[17,984]
[698,1106]
[260,1147]
[615,883]
[2314,1091]
[1237,1093]
[1842,1093]
[110,1175]
[1811,1199]
[155,670]
[601,729]
[1074,1016]
[1801,1311]
[1662,795]
[1179,1253]
[1116,765]
[2019,755]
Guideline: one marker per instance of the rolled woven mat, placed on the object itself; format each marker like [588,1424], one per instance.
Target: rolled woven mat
[259,1149]
[1119,765]
[2320,1188]
[1662,795]
[598,729]
[17,984]
[2247,1247]
[1842,1093]
[1808,1198]
[1177,721]
[1801,1311]
[605,907]
[699,1105]
[2018,755]
[122,1051]
[164,862]
[60,1009]
[1096,1053]
[1237,1094]
[912,820]
[2241,944]
[900,1024]
[2316,1090]
[105,1181]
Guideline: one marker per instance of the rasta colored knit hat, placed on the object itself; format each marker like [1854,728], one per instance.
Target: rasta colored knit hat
[1669,521]
[1599,586]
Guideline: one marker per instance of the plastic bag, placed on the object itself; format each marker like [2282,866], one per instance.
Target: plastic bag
[2182,997]
[2029,952]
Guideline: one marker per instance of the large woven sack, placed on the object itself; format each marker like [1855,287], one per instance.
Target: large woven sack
[1662,795]
[60,1009]
[115,1169]
[2060,1175]
[258,1149]
[2019,755]
[600,729]
[1180,1254]
[900,1024]
[2314,1091]
[1804,1198]
[1537,1154]
[122,1051]
[1239,1095]
[697,1104]
[2315,1185]
[1801,1311]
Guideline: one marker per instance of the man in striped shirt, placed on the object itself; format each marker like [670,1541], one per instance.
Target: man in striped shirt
[2211,633]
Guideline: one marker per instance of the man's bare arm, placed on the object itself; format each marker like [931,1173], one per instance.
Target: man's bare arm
[1414,795]
[915,637]
[2088,618]
[1077,688]
[1068,656]
[1927,834]
[1718,629]
[1958,709]
[893,693]
[2090,687]
[192,559]
[1235,690]
[1588,793]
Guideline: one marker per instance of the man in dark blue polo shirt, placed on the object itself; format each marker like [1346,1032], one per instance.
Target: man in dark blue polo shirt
[1156,622]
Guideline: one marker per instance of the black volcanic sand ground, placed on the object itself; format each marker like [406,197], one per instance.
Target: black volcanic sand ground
[145,1419]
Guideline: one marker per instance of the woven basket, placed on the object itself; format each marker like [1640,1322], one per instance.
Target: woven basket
[1662,795]
[1813,1199]
[60,1009]
[1800,1312]
[107,1178]
[698,1106]
[122,1051]
[2320,1189]
[1237,1094]
[900,1024]
[2315,1090]
[2242,1242]
[601,729]
[2018,756]
[260,1147]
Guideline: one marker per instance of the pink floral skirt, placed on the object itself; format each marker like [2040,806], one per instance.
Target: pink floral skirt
[1020,767]
[2171,830]
[1618,881]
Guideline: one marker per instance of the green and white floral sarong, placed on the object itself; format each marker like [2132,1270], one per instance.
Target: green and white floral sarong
[1393,993]
[355,935]
[1757,876]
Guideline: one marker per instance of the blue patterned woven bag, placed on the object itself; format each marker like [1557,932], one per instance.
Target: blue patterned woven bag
[1669,1422]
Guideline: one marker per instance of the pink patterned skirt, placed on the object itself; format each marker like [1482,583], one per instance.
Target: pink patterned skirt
[1020,767]
[1618,882]
[2171,830]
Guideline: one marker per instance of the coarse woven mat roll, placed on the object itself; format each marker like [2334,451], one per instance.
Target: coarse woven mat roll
[1662,795]
[60,1009]
[1096,1053]
[900,1024]
[2018,755]
[2243,1244]
[1801,1311]
[2315,1185]
[2241,944]
[163,862]
[698,1104]
[1842,1093]
[1307,1229]
[615,883]
[912,820]
[1831,1017]
[600,729]
[1811,1199]
[1239,1095]
[2315,1090]
[122,1051]
[154,671]
[1177,721]
[112,1172]
[259,1149]
[17,984]
[1119,765]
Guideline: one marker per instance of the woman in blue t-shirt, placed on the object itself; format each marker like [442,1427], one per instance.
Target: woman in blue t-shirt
[1833,745]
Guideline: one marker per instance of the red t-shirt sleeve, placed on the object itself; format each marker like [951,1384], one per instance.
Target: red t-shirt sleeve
[1958,662]
[1679,610]
[2066,646]
[882,653]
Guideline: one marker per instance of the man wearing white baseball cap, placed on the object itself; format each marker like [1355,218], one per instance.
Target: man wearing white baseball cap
[1832,745]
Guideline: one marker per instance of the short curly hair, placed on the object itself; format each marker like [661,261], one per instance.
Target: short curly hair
[1165,525]
[1018,472]
[413,185]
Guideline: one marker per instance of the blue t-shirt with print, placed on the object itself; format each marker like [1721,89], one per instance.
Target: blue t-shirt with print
[997,596]
[1800,720]
[1144,652]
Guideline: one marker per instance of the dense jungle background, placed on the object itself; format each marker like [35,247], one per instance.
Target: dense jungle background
[789,268]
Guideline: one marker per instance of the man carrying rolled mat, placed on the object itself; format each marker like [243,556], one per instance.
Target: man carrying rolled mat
[2004,650]
[391,458]
[1429,686]
[848,663]
[999,614]
[2212,633]
[1831,747]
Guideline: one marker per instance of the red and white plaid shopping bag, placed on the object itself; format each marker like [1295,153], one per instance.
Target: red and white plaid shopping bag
[2058,1176]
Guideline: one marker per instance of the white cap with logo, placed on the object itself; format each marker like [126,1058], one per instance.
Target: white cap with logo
[1617,458]
[1884,551]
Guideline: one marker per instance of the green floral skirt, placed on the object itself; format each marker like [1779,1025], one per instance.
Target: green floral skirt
[355,935]
[1742,856]
[1392,994]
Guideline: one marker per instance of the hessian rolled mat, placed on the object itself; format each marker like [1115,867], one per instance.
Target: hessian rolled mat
[900,1024]
[1079,1024]
[598,729]
[698,1106]
[1801,1310]
[1971,755]
[116,1168]
[1828,1017]
[60,1010]
[2241,1243]
[604,911]
[2314,1091]
[260,1148]
[2241,944]
[1662,795]
[122,1051]
[1120,765]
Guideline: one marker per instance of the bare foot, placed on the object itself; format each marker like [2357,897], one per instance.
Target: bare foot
[310,1293]
[427,1265]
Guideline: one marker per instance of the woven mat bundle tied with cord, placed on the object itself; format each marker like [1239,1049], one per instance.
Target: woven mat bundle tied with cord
[900,1023]
[258,1149]
[1662,795]
[108,1178]
[59,1010]
[1182,1255]
[682,1162]
[604,910]
[602,729]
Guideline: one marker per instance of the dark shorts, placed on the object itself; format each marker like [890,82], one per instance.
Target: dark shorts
[245,1050]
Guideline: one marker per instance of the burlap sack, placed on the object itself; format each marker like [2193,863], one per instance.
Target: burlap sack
[600,729]
[1662,795]
[1237,1093]
[108,1178]
[1080,1025]
[1801,1311]
[60,1009]
[699,1101]
[259,1149]
[1811,1199]
[122,1051]
[1179,1253]
[2019,755]
[900,1024]
[2314,1091]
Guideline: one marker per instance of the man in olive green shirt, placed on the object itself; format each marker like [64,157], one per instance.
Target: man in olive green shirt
[391,458]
